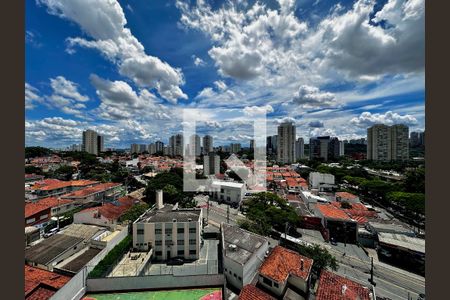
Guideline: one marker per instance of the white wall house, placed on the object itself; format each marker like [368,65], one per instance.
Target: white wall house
[321,181]
[228,191]
[243,254]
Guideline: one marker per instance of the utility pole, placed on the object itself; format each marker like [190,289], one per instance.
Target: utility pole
[228,214]
[57,214]
[207,210]
[371,273]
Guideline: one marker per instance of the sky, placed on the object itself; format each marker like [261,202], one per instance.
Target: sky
[132,69]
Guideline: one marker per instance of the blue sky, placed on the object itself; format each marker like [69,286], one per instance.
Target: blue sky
[128,68]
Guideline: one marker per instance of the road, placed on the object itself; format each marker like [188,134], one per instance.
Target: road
[218,212]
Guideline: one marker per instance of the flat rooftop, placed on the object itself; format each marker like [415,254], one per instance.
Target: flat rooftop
[188,294]
[168,214]
[83,231]
[402,241]
[50,248]
[79,260]
[246,243]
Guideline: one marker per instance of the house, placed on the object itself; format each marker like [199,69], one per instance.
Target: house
[32,234]
[334,287]
[39,213]
[340,226]
[106,215]
[251,292]
[229,192]
[169,231]
[55,187]
[98,193]
[41,284]
[321,181]
[284,269]
[243,254]
[346,197]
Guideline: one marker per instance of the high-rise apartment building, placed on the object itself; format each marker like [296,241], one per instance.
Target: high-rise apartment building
[299,149]
[388,143]
[90,141]
[159,146]
[211,164]
[334,148]
[319,147]
[194,145]
[207,144]
[100,144]
[252,144]
[235,147]
[286,143]
[341,148]
[176,145]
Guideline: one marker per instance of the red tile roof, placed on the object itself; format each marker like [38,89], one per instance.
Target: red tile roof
[335,287]
[251,292]
[91,190]
[331,212]
[346,195]
[41,282]
[114,211]
[283,262]
[83,182]
[33,208]
[45,182]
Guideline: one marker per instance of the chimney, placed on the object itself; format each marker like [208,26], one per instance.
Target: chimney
[301,264]
[159,199]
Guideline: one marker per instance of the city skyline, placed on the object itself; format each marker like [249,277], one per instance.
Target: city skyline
[123,78]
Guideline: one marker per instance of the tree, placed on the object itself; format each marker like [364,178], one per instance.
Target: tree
[31,152]
[159,182]
[413,202]
[322,258]
[33,170]
[64,172]
[134,212]
[414,181]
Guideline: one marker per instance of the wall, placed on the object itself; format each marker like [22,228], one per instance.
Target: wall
[253,264]
[152,282]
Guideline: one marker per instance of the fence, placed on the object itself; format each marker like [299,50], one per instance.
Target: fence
[76,287]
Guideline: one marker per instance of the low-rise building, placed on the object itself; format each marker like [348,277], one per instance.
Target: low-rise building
[107,214]
[321,181]
[284,269]
[99,193]
[228,191]
[346,197]
[41,284]
[251,292]
[39,213]
[169,231]
[340,226]
[243,254]
[334,287]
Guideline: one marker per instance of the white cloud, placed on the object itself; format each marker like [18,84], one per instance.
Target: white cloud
[257,110]
[285,120]
[316,124]
[367,119]
[309,96]
[104,21]
[198,61]
[31,96]
[207,92]
[66,88]
[220,85]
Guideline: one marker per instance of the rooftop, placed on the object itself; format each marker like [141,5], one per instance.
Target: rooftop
[251,292]
[246,243]
[79,260]
[91,190]
[331,212]
[168,214]
[346,195]
[227,184]
[43,204]
[335,287]
[283,262]
[42,283]
[402,241]
[114,210]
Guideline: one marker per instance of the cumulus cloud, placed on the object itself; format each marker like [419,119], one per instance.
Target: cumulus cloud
[367,119]
[285,120]
[32,96]
[220,85]
[66,88]
[198,61]
[104,21]
[207,92]
[310,96]
[315,124]
[257,110]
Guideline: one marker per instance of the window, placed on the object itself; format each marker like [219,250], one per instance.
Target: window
[221,190]
[192,230]
[192,252]
[44,216]
[240,278]
[168,231]
[180,252]
[275,284]
[158,253]
[234,275]
[221,197]
[180,230]
[140,231]
[192,242]
[267,281]
[31,220]
[158,243]
[158,231]
[169,242]
[180,242]
[226,270]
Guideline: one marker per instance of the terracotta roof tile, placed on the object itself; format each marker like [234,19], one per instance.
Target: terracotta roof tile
[32,208]
[283,262]
[91,190]
[346,195]
[35,277]
[251,292]
[331,212]
[335,287]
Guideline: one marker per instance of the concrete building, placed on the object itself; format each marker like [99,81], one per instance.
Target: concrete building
[169,231]
[321,181]
[332,286]
[340,226]
[286,143]
[211,164]
[387,143]
[194,145]
[334,148]
[90,141]
[176,145]
[235,147]
[299,149]
[228,191]
[252,144]
[100,144]
[159,146]
[208,144]
[243,254]
[318,147]
[152,148]
[284,269]
[341,148]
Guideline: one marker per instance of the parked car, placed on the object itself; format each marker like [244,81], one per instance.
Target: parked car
[175,262]
[333,242]
[51,232]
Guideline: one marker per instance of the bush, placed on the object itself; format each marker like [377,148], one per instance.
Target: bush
[103,267]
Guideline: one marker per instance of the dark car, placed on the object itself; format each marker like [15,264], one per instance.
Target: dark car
[333,242]
[175,262]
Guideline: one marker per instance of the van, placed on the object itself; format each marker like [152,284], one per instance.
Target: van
[51,232]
